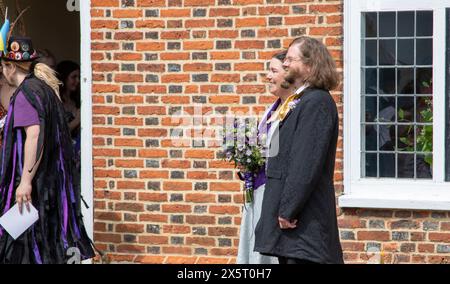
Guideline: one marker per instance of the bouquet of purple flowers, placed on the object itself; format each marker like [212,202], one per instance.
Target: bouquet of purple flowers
[243,146]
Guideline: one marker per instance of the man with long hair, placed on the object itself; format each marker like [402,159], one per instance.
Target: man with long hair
[298,223]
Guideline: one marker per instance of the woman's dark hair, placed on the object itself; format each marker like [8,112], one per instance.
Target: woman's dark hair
[280,55]
[64,69]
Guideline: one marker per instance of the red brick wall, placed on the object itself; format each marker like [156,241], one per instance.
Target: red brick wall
[157,202]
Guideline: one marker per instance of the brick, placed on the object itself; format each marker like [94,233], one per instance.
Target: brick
[150,46]
[426,248]
[199,154]
[149,259]
[154,240]
[132,207]
[105,46]
[172,229]
[199,23]
[200,198]
[247,2]
[150,24]
[439,237]
[224,12]
[180,260]
[202,3]
[221,34]
[300,20]
[332,8]
[127,13]
[177,186]
[198,45]
[404,224]
[130,228]
[323,31]
[200,241]
[175,13]
[196,220]
[373,235]
[176,208]
[104,24]
[195,67]
[128,36]
[105,3]
[224,209]
[222,231]
[175,35]
[151,3]
[249,44]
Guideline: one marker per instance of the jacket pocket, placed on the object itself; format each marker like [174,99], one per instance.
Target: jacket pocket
[273,173]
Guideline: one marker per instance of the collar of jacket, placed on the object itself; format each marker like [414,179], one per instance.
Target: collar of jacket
[284,109]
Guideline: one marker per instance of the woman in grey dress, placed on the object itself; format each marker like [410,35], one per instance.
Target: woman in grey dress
[251,212]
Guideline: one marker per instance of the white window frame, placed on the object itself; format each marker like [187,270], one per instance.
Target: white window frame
[87,188]
[392,193]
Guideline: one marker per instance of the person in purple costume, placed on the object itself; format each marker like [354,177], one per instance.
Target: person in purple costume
[252,211]
[36,166]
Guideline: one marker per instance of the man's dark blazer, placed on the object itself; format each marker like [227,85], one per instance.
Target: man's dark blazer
[300,184]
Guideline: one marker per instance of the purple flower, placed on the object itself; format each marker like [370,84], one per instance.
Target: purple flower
[292,105]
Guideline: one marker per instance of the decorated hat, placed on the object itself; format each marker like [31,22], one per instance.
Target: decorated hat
[20,49]
[15,48]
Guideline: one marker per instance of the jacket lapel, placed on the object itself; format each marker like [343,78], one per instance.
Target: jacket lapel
[297,107]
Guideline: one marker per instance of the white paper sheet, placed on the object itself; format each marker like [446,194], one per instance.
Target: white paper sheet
[15,223]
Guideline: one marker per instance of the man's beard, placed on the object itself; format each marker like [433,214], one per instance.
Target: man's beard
[290,79]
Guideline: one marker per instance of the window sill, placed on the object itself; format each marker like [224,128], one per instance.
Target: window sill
[384,200]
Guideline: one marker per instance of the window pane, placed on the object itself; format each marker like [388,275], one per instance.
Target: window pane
[424,138]
[405,24]
[405,165]
[370,164]
[424,106]
[370,81]
[405,141]
[386,110]
[424,80]
[405,80]
[424,24]
[387,24]
[387,81]
[370,52]
[405,52]
[371,138]
[370,104]
[386,137]
[423,166]
[405,109]
[424,51]
[387,52]
[387,165]
[371,24]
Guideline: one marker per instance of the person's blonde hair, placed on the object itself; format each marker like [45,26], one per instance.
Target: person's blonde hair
[42,72]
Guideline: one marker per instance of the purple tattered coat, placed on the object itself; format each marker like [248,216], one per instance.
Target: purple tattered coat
[55,194]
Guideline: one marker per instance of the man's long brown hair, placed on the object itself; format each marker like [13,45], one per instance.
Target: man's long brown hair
[316,56]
